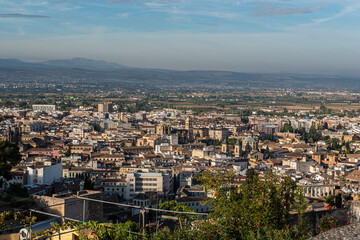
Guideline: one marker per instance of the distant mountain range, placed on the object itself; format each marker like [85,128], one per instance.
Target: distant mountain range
[113,74]
[83,63]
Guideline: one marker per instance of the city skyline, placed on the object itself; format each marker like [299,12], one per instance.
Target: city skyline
[246,36]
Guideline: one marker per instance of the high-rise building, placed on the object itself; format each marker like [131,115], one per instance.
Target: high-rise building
[188,124]
[105,107]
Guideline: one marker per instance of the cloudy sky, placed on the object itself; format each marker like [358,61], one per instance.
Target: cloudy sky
[239,35]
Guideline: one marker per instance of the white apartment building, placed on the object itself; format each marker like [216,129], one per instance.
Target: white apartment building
[114,186]
[44,174]
[141,182]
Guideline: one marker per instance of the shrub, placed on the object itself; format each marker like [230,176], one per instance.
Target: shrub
[330,199]
[253,209]
[18,190]
[327,223]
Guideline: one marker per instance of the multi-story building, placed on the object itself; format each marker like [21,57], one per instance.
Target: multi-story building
[142,182]
[195,198]
[34,127]
[114,186]
[105,107]
[269,129]
[42,174]
[163,129]
[44,107]
[219,134]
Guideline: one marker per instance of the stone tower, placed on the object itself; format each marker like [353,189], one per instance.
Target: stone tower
[237,149]
[224,146]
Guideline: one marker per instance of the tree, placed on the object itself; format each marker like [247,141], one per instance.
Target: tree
[88,184]
[16,189]
[197,135]
[287,128]
[9,157]
[253,209]
[68,151]
[245,120]
[232,141]
[97,128]
[180,207]
[7,218]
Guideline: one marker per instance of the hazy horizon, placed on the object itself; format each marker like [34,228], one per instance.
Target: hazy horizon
[242,36]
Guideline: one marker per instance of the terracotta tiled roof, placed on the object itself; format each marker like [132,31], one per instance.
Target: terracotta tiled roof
[354,176]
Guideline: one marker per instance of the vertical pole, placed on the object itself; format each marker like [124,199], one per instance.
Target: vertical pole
[84,211]
[63,222]
[60,233]
[30,230]
[156,212]
[84,215]
[143,219]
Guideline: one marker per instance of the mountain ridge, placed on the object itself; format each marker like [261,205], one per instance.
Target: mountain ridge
[85,63]
[91,64]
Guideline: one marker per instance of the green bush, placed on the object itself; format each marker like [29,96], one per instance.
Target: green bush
[18,190]
[257,207]
[330,199]
[326,223]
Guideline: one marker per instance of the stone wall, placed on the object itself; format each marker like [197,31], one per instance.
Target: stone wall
[72,207]
[349,213]
[349,232]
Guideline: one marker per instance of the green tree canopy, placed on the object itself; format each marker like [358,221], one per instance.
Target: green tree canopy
[232,141]
[257,206]
[18,190]
[9,157]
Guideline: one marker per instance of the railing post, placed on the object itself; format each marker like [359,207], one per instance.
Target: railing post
[143,219]
[84,211]
[84,215]
[30,231]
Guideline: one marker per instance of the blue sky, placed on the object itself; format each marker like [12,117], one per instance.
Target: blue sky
[238,35]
